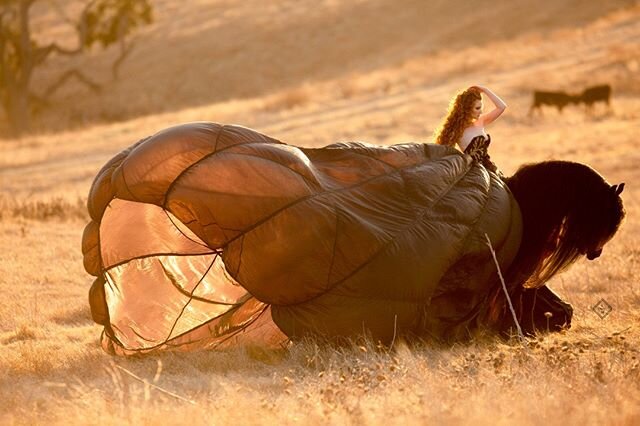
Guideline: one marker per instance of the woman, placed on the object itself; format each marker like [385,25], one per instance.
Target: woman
[465,123]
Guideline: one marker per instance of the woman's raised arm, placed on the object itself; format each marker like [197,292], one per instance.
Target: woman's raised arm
[497,111]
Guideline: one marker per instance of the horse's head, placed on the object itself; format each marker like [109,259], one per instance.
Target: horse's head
[591,212]
[568,211]
[603,221]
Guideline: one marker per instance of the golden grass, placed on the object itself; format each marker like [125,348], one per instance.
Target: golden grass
[54,208]
[288,99]
[556,379]
[53,371]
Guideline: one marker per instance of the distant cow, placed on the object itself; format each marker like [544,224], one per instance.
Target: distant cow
[557,99]
[594,94]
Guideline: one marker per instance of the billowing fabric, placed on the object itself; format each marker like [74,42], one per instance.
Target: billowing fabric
[206,235]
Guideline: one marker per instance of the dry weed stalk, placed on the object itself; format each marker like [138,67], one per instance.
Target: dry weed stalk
[504,288]
[148,384]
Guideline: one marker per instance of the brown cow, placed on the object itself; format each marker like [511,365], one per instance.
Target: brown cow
[557,99]
[591,95]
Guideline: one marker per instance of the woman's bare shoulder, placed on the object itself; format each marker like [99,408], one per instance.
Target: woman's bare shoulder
[476,127]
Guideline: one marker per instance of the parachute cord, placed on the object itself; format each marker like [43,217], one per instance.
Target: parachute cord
[504,288]
[190,298]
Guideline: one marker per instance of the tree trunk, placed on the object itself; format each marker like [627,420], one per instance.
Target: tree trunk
[16,90]
[18,111]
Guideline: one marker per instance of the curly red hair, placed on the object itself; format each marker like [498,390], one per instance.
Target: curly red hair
[459,116]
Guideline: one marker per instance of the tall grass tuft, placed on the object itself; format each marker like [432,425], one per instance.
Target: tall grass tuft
[54,208]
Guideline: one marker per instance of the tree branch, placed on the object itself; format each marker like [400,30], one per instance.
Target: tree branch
[60,12]
[54,47]
[80,28]
[95,87]
[125,50]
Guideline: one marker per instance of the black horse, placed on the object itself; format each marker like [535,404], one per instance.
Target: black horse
[568,211]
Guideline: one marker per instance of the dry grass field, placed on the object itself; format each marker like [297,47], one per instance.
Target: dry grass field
[313,73]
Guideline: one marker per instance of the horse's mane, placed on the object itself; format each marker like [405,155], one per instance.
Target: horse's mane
[568,210]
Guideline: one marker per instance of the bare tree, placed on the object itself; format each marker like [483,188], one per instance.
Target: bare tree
[103,22]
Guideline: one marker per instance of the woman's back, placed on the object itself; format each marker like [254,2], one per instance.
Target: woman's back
[470,133]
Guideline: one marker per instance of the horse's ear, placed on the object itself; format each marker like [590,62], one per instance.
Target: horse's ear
[618,188]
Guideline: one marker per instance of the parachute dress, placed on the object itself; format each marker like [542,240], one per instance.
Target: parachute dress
[209,236]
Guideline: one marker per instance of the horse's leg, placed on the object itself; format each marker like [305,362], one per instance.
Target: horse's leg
[544,311]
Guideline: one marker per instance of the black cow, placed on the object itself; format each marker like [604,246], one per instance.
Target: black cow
[591,95]
[557,99]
